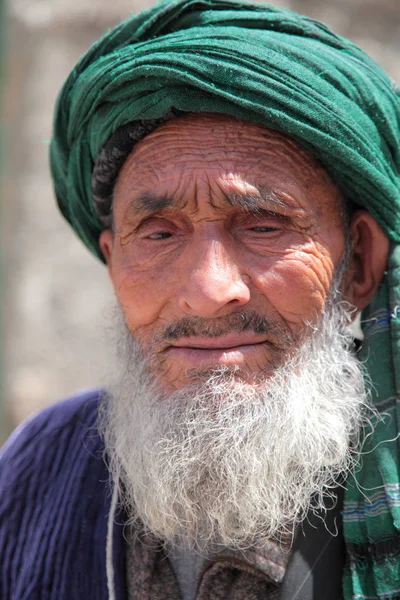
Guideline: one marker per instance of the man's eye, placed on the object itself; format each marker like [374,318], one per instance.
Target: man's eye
[159,235]
[261,229]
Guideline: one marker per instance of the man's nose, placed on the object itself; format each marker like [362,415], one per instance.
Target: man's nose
[214,284]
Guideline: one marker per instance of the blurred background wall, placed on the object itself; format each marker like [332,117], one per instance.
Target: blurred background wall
[54,294]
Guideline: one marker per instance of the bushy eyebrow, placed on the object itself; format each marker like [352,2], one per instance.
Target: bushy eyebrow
[147,204]
[150,203]
[258,202]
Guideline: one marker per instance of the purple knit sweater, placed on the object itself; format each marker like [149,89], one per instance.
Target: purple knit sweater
[55,500]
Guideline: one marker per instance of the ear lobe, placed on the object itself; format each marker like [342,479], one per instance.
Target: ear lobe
[106,243]
[370,249]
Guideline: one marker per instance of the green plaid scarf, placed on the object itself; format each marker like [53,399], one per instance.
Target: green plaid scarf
[288,72]
[371,512]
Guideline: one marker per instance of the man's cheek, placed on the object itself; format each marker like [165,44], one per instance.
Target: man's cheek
[141,297]
[296,290]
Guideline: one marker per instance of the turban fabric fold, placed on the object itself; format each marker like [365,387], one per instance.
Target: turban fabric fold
[292,74]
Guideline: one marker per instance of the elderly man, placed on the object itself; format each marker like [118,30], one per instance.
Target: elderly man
[237,168]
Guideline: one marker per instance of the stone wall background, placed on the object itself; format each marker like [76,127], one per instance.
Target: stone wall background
[55,295]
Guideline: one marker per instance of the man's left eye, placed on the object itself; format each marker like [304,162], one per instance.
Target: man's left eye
[160,235]
[261,229]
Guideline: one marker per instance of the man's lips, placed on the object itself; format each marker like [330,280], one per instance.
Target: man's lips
[223,342]
[230,349]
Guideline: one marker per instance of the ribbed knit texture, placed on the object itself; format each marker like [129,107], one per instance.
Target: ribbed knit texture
[54,505]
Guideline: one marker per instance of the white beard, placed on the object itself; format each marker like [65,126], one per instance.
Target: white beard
[228,462]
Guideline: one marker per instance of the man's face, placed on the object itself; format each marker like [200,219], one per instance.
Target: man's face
[226,239]
[238,399]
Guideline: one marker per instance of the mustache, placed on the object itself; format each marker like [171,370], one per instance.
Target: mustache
[237,322]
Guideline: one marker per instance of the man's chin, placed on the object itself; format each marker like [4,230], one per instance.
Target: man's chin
[191,378]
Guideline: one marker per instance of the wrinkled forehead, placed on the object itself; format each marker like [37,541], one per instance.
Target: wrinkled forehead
[222,146]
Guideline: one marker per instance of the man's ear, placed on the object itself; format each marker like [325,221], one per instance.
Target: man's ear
[106,243]
[368,261]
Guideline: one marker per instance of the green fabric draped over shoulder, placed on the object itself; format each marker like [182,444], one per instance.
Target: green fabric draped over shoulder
[290,73]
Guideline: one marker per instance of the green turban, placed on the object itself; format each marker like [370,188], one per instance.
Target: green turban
[292,74]
[251,61]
